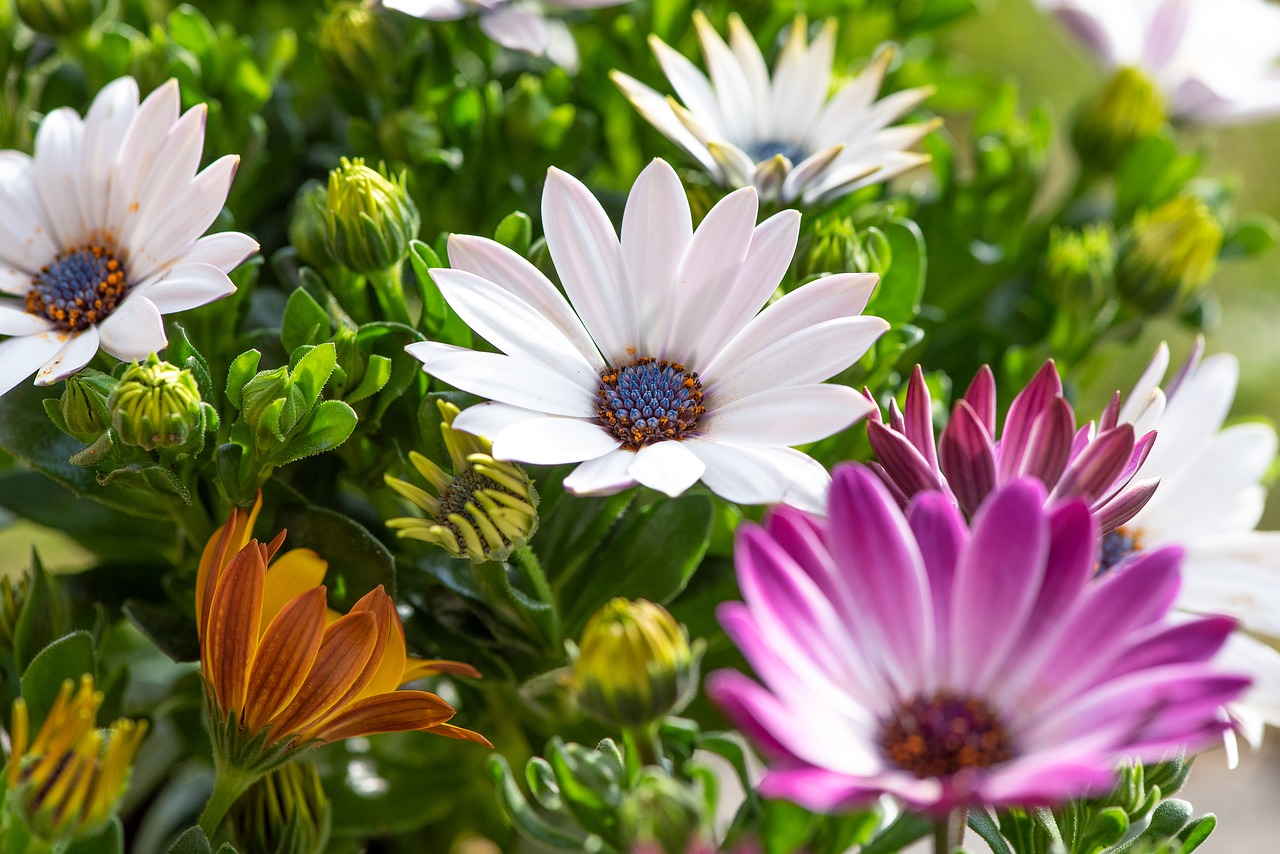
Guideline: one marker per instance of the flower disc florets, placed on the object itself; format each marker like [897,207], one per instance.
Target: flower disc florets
[650,401]
[944,734]
[79,288]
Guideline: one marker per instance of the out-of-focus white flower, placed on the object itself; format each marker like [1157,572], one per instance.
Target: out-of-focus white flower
[781,134]
[1214,60]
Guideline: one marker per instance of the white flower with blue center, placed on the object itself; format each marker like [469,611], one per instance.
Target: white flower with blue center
[100,233]
[781,134]
[660,368]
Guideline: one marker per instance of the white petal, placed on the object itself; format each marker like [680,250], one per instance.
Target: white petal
[172,170]
[22,357]
[668,467]
[14,281]
[732,163]
[656,229]
[1148,383]
[794,415]
[800,81]
[73,356]
[57,173]
[847,106]
[134,330]
[189,215]
[551,441]
[105,126]
[656,110]
[1238,576]
[224,250]
[746,475]
[809,171]
[512,325]
[602,476]
[691,85]
[588,257]
[17,321]
[433,10]
[26,238]
[505,379]
[490,419]
[187,286]
[1244,654]
[516,29]
[733,92]
[1194,413]
[770,176]
[137,153]
[754,69]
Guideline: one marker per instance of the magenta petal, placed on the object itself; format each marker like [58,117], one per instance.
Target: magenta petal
[966,458]
[896,422]
[1125,506]
[1049,446]
[1195,641]
[740,699]
[942,535]
[902,461]
[997,579]
[895,491]
[919,418]
[818,789]
[802,537]
[1023,412]
[1069,568]
[1046,781]
[1091,474]
[981,397]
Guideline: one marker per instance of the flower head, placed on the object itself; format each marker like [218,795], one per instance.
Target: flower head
[102,233]
[781,134]
[485,510]
[1039,440]
[282,675]
[884,671]
[158,405]
[1168,254]
[657,370]
[369,218]
[1215,60]
[67,783]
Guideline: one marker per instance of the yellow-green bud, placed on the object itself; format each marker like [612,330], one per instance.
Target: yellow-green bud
[1129,109]
[369,218]
[832,247]
[634,665]
[307,226]
[158,405]
[484,511]
[1168,254]
[12,598]
[660,813]
[285,812]
[83,405]
[59,17]
[360,46]
[1080,265]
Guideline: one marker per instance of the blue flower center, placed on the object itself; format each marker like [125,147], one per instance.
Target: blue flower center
[942,734]
[80,288]
[649,401]
[1116,546]
[771,148]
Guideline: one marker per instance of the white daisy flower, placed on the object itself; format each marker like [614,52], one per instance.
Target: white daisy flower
[1210,498]
[1214,60]
[515,25]
[781,134]
[657,369]
[100,233]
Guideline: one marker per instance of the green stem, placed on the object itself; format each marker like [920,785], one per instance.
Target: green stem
[528,561]
[229,784]
[388,287]
[644,745]
[948,831]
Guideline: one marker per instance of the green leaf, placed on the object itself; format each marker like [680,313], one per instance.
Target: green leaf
[985,826]
[786,828]
[521,813]
[358,562]
[109,840]
[173,631]
[438,320]
[331,425]
[69,657]
[907,829]
[515,232]
[897,298]
[305,322]
[1253,236]
[590,783]
[45,616]
[536,617]
[313,371]
[241,371]
[377,371]
[193,841]
[1195,833]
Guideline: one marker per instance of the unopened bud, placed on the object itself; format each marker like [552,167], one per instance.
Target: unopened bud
[285,812]
[1129,109]
[59,17]
[1168,254]
[661,814]
[158,405]
[369,218]
[1080,266]
[83,405]
[307,227]
[360,45]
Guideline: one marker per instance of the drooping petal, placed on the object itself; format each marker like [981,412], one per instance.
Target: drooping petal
[340,662]
[284,657]
[398,711]
[74,355]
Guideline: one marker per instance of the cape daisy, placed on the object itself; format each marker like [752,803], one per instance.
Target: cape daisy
[657,369]
[515,26]
[100,233]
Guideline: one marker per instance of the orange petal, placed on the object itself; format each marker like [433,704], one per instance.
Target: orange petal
[451,731]
[342,659]
[297,571]
[285,655]
[394,712]
[417,668]
[390,672]
[232,639]
[221,547]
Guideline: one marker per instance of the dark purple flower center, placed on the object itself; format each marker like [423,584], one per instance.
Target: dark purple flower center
[1116,546]
[80,288]
[650,400]
[943,734]
[768,149]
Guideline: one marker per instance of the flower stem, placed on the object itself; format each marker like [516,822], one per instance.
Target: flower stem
[229,783]
[948,831]
[388,287]
[645,746]
[524,558]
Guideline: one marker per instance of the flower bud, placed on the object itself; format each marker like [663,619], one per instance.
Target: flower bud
[634,665]
[285,812]
[66,784]
[369,218]
[83,405]
[360,46]
[307,226]
[1080,265]
[59,17]
[484,511]
[1168,254]
[158,405]
[1129,109]
[660,814]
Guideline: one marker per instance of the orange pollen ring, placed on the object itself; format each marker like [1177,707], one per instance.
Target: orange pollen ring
[80,288]
[648,401]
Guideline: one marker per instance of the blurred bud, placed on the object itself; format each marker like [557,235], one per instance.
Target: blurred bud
[835,246]
[660,813]
[484,511]
[272,404]
[369,218]
[307,226]
[34,606]
[1129,109]
[360,46]
[285,812]
[1080,265]
[408,136]
[1168,254]
[66,784]
[83,406]
[158,405]
[59,17]
[634,664]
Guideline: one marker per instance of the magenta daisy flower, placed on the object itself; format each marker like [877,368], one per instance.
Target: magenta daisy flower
[885,672]
[1039,439]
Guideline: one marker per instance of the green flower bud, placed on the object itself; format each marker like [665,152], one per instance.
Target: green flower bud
[360,46]
[660,813]
[285,812]
[1129,109]
[635,664]
[369,218]
[59,17]
[832,247]
[158,405]
[83,406]
[1168,254]
[307,226]
[45,604]
[272,404]
[484,511]
[1080,266]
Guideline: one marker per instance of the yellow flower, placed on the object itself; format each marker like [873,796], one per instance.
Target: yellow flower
[69,781]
